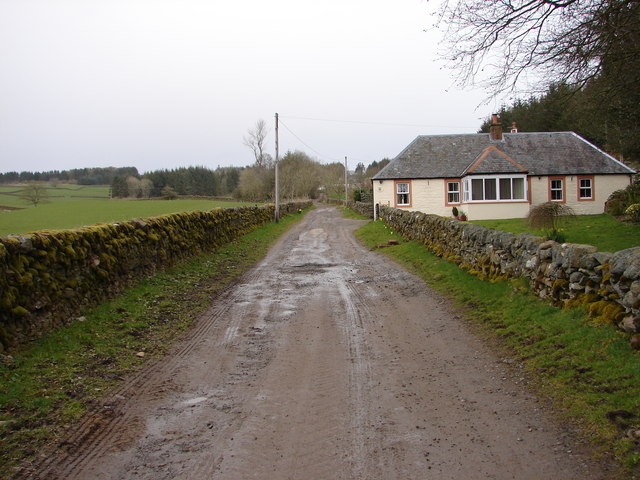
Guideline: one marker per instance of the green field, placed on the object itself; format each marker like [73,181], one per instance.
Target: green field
[71,206]
[602,231]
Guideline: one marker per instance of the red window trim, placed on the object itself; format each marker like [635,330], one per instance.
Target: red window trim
[564,189]
[593,188]
[395,194]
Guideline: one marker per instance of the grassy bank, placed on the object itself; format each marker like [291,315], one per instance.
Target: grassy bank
[602,231]
[56,380]
[585,370]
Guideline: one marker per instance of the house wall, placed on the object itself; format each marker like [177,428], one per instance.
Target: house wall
[428,196]
[604,185]
[383,192]
[495,211]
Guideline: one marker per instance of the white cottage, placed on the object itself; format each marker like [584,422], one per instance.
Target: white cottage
[499,175]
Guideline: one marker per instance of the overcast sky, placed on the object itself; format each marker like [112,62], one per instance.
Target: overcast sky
[168,83]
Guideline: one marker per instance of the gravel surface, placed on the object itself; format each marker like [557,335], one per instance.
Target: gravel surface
[326,361]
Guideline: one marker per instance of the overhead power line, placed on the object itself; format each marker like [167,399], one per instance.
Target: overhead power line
[304,143]
[389,124]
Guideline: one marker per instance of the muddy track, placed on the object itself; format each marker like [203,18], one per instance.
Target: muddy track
[326,361]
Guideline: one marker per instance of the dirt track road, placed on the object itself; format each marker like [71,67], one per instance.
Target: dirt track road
[326,362]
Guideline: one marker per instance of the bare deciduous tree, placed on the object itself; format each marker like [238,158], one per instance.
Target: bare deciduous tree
[133,187]
[146,187]
[34,193]
[256,184]
[497,43]
[255,140]
[299,176]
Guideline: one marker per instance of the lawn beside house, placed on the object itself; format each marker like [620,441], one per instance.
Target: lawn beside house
[604,232]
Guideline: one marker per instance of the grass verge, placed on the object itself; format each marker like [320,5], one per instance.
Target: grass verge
[593,230]
[587,371]
[349,213]
[53,382]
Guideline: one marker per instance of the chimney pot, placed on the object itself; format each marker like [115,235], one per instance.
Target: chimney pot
[514,128]
[495,131]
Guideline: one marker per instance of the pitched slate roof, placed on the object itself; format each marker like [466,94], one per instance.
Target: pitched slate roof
[454,156]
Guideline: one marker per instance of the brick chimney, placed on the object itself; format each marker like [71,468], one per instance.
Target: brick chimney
[496,128]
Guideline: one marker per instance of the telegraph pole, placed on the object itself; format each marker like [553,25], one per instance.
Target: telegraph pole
[346,183]
[277,193]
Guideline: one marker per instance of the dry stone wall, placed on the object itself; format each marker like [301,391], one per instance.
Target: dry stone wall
[363,208]
[48,277]
[608,284]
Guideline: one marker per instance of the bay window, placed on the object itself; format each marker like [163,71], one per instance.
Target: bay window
[499,188]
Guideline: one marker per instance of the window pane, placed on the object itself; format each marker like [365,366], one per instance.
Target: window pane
[505,189]
[490,189]
[556,189]
[477,189]
[402,187]
[518,188]
[453,195]
[585,188]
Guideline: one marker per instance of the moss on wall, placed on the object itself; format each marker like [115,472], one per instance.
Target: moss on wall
[568,275]
[47,277]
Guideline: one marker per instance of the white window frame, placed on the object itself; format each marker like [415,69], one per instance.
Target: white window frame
[467,193]
[556,190]
[580,188]
[399,193]
[455,193]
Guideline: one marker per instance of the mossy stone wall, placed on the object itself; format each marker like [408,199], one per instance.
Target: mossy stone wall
[48,277]
[608,284]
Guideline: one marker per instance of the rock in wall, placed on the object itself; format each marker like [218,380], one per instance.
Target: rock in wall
[48,277]
[608,284]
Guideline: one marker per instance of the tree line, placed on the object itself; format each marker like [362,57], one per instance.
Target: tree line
[300,176]
[613,126]
[80,176]
[196,181]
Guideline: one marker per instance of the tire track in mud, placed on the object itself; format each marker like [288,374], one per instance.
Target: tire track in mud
[326,361]
[94,435]
[99,431]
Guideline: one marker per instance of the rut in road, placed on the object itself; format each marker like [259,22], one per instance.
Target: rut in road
[327,361]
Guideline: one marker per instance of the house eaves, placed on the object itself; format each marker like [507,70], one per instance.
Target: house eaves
[547,153]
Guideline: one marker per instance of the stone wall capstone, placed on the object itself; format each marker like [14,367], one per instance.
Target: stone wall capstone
[567,274]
